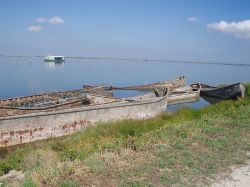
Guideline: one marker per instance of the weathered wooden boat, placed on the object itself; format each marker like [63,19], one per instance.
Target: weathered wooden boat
[170,84]
[38,117]
[185,94]
[98,89]
[216,94]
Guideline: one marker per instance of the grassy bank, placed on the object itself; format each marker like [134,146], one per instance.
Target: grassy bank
[183,148]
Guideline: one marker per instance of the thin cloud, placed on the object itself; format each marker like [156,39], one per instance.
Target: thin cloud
[192,19]
[41,20]
[239,29]
[35,28]
[56,20]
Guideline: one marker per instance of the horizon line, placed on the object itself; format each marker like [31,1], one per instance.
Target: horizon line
[138,60]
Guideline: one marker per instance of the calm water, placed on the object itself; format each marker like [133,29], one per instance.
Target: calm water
[26,76]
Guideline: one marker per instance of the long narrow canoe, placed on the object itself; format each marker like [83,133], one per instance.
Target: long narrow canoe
[216,94]
[170,84]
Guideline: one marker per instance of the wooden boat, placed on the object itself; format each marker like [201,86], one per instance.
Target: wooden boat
[170,84]
[216,94]
[185,94]
[51,101]
[101,89]
[38,117]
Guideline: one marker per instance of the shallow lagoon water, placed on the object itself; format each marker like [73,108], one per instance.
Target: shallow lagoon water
[27,76]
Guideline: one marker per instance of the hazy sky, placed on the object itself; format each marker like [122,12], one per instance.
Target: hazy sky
[214,30]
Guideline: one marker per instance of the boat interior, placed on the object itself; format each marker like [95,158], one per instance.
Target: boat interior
[62,100]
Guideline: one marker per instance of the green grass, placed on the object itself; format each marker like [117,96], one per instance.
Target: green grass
[180,148]
[28,181]
[68,183]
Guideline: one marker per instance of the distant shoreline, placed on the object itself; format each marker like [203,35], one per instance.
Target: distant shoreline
[137,60]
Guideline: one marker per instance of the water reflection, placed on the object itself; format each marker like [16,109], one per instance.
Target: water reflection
[55,64]
[196,105]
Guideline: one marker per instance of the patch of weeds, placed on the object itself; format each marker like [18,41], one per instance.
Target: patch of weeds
[166,160]
[112,146]
[247,85]
[171,178]
[95,165]
[188,113]
[187,158]
[216,144]
[135,184]
[13,161]
[5,167]
[141,169]
[69,183]
[180,144]
[70,154]
[28,181]
[57,145]
[130,143]
[3,184]
[48,175]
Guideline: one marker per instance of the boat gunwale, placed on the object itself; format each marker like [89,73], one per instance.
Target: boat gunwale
[218,87]
[40,94]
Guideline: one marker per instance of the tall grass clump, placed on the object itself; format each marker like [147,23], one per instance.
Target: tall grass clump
[10,160]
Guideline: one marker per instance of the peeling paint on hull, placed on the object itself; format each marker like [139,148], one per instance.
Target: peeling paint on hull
[26,128]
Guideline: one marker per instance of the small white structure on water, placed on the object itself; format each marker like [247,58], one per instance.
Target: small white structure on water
[54,59]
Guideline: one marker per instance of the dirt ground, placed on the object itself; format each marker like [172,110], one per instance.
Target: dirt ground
[239,177]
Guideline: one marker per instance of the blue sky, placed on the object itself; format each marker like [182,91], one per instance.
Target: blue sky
[211,30]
